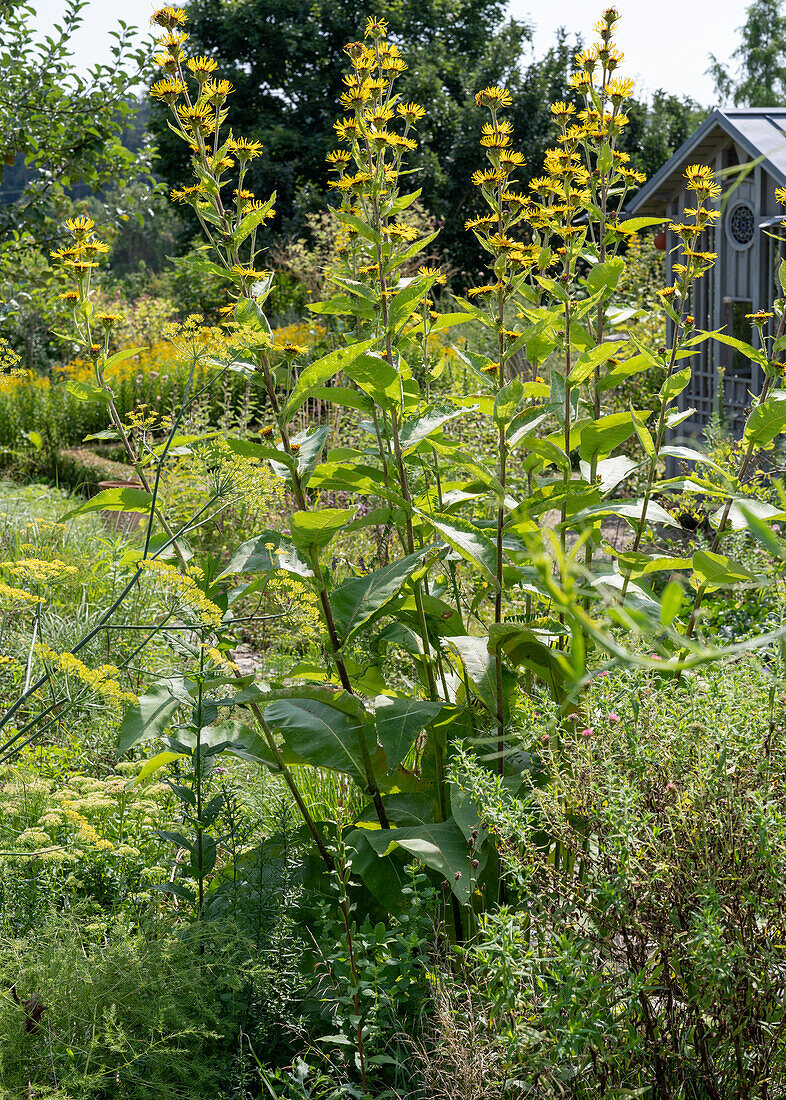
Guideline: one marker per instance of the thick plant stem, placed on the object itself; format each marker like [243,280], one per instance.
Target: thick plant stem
[404,486]
[324,601]
[267,733]
[503,455]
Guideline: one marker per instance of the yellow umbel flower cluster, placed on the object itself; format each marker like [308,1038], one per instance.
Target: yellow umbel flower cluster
[102,681]
[39,571]
[186,591]
[10,596]
[86,830]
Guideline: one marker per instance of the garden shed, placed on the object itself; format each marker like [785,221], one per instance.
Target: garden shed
[747,150]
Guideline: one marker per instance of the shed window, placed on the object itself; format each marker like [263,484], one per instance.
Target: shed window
[742,224]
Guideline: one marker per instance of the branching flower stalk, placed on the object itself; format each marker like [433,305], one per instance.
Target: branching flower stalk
[367,177]
[198,120]
[79,260]
[610,175]
[696,264]
[512,258]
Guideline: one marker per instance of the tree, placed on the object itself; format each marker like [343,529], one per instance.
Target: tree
[286,60]
[759,79]
[64,136]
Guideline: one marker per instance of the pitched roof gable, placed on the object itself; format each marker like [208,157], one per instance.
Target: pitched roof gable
[759,131]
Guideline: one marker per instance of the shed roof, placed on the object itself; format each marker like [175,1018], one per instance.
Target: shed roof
[759,131]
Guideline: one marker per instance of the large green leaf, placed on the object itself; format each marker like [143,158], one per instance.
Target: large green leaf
[481,668]
[468,540]
[318,372]
[605,276]
[624,370]
[628,509]
[406,301]
[714,571]
[252,220]
[357,600]
[601,437]
[419,428]
[399,722]
[359,226]
[766,421]
[310,443]
[264,554]
[756,355]
[353,477]
[375,376]
[126,499]
[314,530]
[507,401]
[742,509]
[149,717]
[319,733]
[588,361]
[675,384]
[441,847]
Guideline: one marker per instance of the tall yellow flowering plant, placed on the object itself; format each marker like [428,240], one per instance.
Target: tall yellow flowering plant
[418,660]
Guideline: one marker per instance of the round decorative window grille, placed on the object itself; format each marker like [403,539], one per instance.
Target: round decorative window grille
[742,224]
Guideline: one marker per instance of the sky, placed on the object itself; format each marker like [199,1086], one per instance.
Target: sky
[666,42]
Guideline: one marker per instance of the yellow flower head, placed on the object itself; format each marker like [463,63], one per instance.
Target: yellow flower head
[172,41]
[376,28]
[403,232]
[488,175]
[167,90]
[195,114]
[587,59]
[510,159]
[166,62]
[216,91]
[188,194]
[347,128]
[580,81]
[494,97]
[169,17]
[411,112]
[433,273]
[202,67]
[394,65]
[245,149]
[562,111]
[357,51]
[355,97]
[339,158]
[491,288]
[619,89]
[780,194]
[250,273]
[80,227]
[494,139]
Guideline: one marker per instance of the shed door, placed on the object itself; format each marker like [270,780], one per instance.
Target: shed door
[737,370]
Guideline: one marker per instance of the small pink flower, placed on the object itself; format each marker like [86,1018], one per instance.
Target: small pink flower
[656,656]
[613,716]
[586,732]
[600,675]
